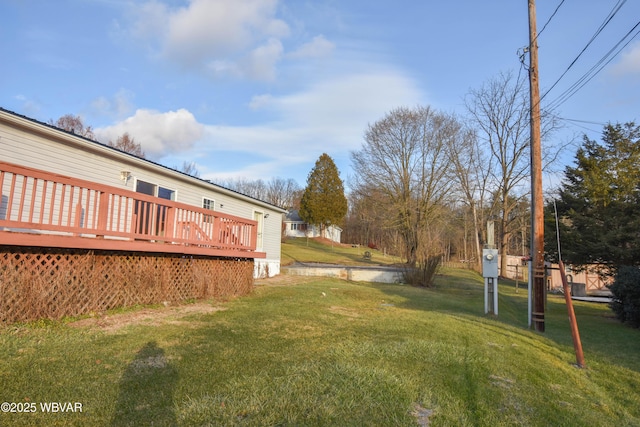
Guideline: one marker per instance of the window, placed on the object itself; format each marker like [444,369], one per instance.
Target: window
[208,204]
[145,188]
[165,193]
[299,227]
[151,221]
[155,190]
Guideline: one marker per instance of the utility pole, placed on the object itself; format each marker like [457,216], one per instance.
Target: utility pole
[537,215]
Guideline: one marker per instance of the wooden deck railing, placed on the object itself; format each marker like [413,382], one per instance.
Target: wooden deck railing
[38,208]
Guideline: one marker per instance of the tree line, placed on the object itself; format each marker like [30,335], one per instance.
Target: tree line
[426,183]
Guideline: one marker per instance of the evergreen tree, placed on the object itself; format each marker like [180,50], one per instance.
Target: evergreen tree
[323,202]
[599,206]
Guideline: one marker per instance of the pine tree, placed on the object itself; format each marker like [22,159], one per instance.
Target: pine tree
[599,204]
[323,202]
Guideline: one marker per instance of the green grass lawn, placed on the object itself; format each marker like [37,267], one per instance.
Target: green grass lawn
[329,352]
[311,250]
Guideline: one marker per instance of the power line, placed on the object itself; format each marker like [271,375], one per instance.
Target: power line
[606,22]
[590,122]
[582,124]
[593,71]
[522,51]
[550,18]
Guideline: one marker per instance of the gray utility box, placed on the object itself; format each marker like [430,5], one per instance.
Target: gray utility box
[489,263]
[578,290]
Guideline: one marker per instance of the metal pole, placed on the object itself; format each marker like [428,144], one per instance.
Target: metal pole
[486,295]
[575,334]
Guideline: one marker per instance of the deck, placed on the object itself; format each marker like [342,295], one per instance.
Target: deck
[42,209]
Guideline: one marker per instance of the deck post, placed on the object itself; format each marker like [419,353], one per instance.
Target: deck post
[103,213]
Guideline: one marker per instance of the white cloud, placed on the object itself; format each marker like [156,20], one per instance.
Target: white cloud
[317,48]
[30,106]
[260,101]
[159,134]
[629,63]
[330,116]
[343,106]
[220,37]
[255,171]
[261,64]
[117,106]
[150,20]
[213,28]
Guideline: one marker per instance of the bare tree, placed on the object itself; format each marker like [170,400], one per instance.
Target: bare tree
[500,110]
[189,168]
[471,168]
[366,222]
[283,192]
[404,159]
[75,125]
[256,188]
[126,143]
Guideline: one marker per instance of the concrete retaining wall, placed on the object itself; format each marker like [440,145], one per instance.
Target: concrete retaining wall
[356,274]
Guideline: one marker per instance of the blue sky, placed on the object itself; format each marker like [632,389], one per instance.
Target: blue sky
[261,88]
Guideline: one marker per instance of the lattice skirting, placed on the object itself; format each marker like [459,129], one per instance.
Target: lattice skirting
[52,283]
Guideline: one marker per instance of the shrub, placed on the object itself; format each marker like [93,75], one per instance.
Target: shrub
[423,273]
[626,295]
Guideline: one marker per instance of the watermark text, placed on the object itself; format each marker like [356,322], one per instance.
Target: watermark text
[53,407]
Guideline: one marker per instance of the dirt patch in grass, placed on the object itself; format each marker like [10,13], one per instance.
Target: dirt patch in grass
[147,316]
[173,315]
[285,280]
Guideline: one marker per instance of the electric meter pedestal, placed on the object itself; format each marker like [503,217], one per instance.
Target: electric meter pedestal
[490,274]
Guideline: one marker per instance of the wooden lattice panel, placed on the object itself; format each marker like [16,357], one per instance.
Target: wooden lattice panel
[53,283]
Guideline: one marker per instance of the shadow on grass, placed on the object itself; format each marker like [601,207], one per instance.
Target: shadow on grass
[146,390]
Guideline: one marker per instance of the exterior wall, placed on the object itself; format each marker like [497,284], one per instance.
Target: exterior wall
[288,232]
[333,233]
[29,143]
[516,268]
[594,283]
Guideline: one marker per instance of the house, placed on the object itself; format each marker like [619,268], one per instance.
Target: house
[294,226]
[65,200]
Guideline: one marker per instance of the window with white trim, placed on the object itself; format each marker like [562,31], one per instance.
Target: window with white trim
[208,203]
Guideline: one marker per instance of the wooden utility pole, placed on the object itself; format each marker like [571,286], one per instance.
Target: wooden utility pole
[537,215]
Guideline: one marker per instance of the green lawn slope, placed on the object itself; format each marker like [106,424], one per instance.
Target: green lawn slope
[312,351]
